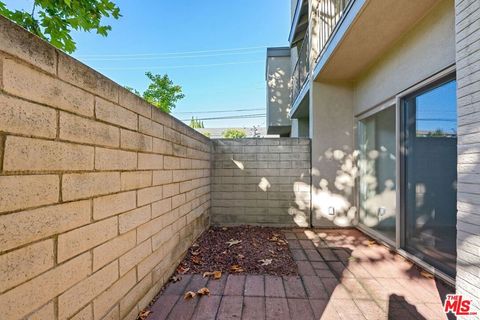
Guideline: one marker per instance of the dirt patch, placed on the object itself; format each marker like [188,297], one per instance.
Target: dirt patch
[244,249]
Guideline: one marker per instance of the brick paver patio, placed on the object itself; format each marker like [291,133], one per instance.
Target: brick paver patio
[343,275]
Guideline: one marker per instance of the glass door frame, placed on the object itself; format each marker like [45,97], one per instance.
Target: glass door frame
[390,103]
[438,79]
[396,102]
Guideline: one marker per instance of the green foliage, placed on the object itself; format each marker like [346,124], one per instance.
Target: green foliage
[161,92]
[132,90]
[206,134]
[436,133]
[55,19]
[234,134]
[195,123]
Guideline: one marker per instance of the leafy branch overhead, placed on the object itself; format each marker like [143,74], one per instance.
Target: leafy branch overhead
[161,92]
[54,20]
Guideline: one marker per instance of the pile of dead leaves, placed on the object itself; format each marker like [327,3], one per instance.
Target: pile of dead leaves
[244,249]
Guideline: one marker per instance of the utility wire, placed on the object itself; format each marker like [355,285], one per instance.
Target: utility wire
[183,66]
[170,53]
[219,111]
[172,57]
[246,116]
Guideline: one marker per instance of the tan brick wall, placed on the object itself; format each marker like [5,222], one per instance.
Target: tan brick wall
[100,193]
[261,181]
[467,27]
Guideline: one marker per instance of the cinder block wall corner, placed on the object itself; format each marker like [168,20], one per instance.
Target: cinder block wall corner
[261,182]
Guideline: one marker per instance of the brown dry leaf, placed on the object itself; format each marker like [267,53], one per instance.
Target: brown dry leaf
[143,314]
[189,295]
[273,253]
[216,274]
[195,253]
[265,262]
[197,260]
[233,242]
[182,270]
[236,268]
[371,243]
[203,292]
[175,279]
[426,274]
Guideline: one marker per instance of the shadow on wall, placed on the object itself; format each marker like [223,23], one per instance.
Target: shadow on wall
[261,181]
[332,195]
[279,96]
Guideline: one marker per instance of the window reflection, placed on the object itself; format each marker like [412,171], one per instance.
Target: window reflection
[431,174]
[377,172]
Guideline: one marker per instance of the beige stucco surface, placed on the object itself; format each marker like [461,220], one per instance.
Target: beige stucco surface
[427,49]
[331,126]
[278,91]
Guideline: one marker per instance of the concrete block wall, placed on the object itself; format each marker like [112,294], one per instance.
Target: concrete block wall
[467,28]
[100,192]
[261,181]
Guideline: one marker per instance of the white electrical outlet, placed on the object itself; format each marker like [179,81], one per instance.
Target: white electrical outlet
[382,211]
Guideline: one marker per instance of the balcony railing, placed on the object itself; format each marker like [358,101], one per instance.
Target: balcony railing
[301,69]
[329,14]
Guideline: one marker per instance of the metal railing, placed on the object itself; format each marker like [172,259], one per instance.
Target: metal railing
[301,69]
[329,14]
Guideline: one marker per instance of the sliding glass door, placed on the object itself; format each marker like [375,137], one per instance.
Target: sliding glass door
[377,179]
[429,163]
[426,174]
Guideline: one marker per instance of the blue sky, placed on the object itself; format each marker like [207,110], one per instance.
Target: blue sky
[437,109]
[151,33]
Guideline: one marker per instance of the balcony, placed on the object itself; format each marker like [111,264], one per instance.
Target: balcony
[301,70]
[329,14]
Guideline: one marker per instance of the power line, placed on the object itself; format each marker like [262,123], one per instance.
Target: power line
[246,116]
[172,57]
[183,66]
[171,53]
[219,111]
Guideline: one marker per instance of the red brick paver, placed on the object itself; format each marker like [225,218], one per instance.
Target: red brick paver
[342,275]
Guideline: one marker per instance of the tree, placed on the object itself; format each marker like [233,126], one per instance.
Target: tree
[234,134]
[54,20]
[437,133]
[195,123]
[161,92]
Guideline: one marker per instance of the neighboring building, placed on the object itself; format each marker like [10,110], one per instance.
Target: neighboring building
[383,88]
[217,133]
[278,76]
